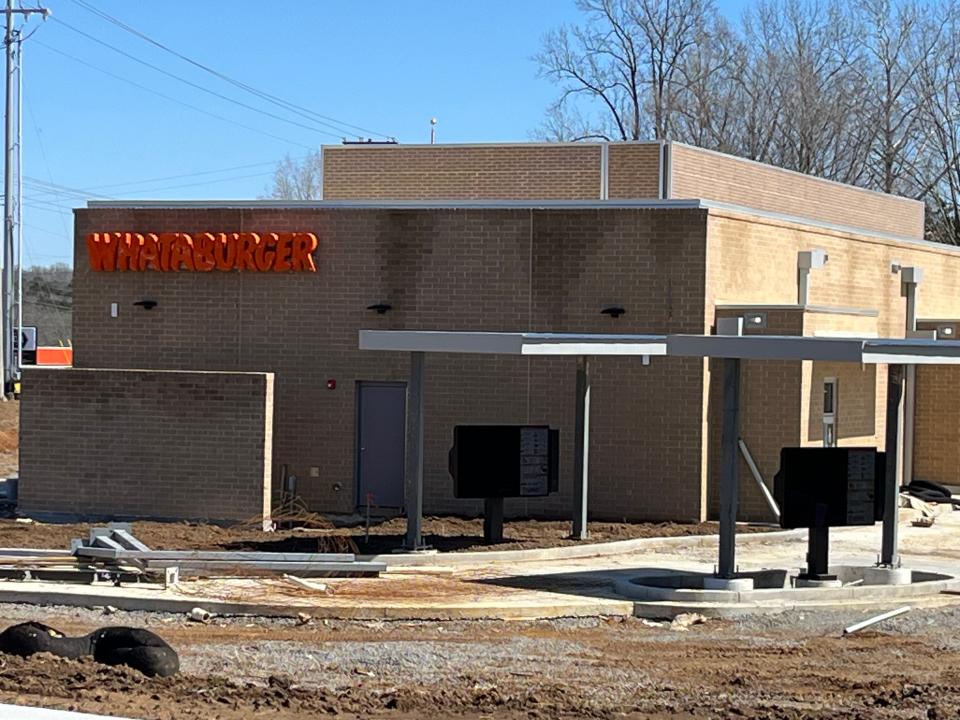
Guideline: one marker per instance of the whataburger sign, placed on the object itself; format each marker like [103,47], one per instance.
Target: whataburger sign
[202,251]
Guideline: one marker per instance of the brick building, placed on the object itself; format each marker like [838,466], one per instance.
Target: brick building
[481,237]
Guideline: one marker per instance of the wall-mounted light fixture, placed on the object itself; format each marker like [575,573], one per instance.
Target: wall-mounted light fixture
[146,304]
[381,308]
[613,311]
[757,320]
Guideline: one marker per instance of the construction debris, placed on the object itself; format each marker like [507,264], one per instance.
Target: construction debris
[114,547]
[199,615]
[684,621]
[307,584]
[114,555]
[857,627]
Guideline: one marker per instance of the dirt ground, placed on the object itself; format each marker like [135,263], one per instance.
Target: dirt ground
[784,666]
[443,533]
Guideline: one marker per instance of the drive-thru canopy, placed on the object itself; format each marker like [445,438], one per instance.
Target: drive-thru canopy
[894,352]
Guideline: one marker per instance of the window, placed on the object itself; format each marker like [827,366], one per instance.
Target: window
[830,412]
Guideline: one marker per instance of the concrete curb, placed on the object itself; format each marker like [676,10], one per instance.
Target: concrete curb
[568,552]
[659,610]
[654,601]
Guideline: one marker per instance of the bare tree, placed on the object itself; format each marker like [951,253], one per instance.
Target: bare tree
[298,179]
[626,60]
[897,40]
[938,153]
[48,302]
[709,108]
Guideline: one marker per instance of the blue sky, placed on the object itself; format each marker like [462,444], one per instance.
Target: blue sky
[381,65]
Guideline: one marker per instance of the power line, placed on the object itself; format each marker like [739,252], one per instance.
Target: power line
[43,155]
[195,85]
[56,190]
[90,190]
[198,184]
[83,195]
[167,97]
[300,110]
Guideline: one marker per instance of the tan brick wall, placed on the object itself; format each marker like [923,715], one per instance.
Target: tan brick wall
[462,172]
[634,170]
[134,443]
[753,261]
[859,409]
[706,175]
[535,270]
[770,415]
[936,449]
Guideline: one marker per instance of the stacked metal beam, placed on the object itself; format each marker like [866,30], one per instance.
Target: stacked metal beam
[117,547]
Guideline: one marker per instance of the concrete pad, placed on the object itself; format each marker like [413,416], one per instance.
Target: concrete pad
[425,597]
[569,552]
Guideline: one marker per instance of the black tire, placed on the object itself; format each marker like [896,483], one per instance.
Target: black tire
[929,485]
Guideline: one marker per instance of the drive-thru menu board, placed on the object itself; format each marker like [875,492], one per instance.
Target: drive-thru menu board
[534,461]
[830,487]
[498,461]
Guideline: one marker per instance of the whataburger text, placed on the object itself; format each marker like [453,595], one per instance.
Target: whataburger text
[202,251]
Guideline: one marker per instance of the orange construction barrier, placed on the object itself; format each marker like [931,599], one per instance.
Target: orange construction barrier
[54,356]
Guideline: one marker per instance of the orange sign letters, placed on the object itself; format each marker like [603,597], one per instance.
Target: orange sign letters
[202,252]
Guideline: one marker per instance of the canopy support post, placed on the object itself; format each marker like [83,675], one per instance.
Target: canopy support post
[581,451]
[413,487]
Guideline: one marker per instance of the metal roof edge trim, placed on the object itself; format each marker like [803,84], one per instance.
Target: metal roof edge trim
[395,204]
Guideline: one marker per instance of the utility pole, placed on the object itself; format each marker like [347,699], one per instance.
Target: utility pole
[11,320]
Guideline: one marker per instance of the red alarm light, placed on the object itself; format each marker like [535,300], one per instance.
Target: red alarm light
[331,384]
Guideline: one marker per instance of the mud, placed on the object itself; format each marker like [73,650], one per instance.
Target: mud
[442,533]
[558,669]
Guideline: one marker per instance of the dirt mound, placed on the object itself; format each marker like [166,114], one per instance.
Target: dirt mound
[443,533]
[624,670]
[80,684]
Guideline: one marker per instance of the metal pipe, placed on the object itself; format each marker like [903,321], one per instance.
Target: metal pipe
[19,214]
[874,620]
[581,450]
[891,493]
[909,420]
[755,471]
[414,481]
[909,388]
[5,261]
[803,285]
[728,467]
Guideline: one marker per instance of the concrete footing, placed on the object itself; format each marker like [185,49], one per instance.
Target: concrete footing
[803,582]
[887,576]
[667,593]
[744,584]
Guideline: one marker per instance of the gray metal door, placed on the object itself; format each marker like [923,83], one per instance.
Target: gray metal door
[381,416]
